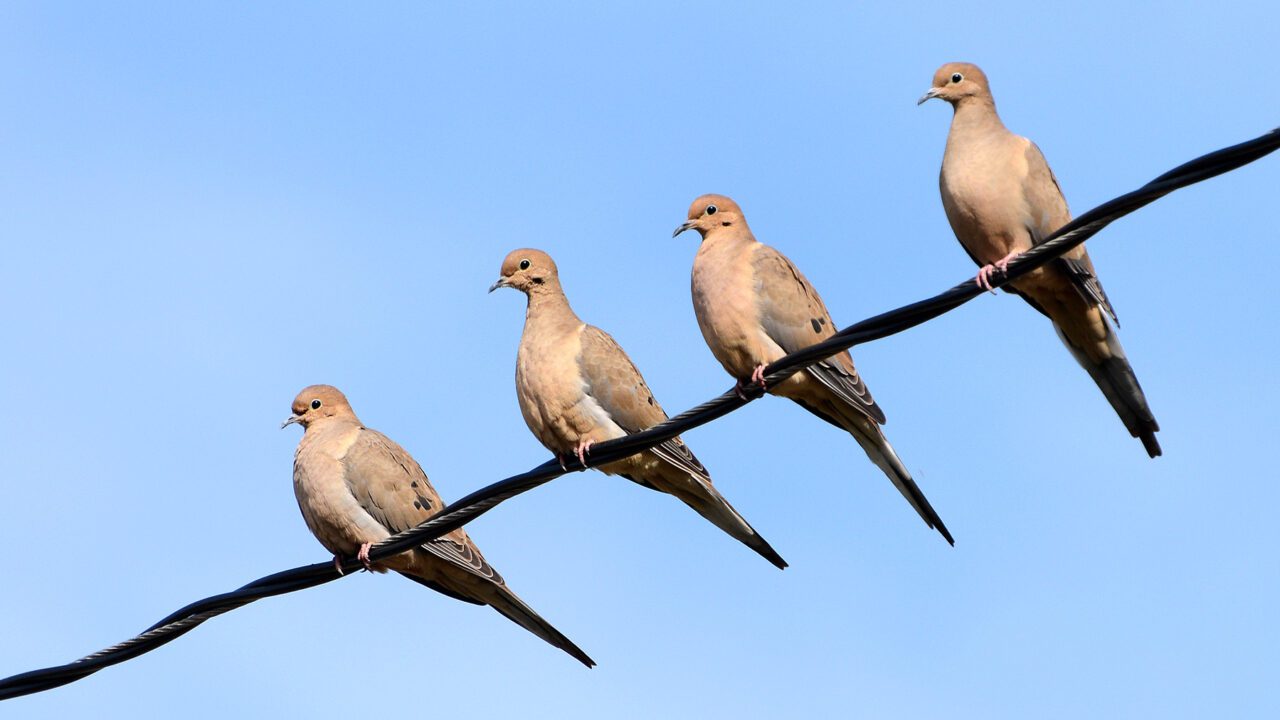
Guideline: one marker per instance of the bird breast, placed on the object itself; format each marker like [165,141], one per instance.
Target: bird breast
[724,301]
[319,484]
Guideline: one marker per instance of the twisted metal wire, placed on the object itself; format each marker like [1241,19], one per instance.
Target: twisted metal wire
[481,501]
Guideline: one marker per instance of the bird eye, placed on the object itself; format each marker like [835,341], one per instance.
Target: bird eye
[524,264]
[315,404]
[712,209]
[957,78]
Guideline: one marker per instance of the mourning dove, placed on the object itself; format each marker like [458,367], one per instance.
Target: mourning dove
[754,306]
[1001,199]
[357,487]
[576,387]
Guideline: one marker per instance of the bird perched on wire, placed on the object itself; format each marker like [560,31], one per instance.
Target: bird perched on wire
[754,306]
[577,387]
[1001,198]
[357,487]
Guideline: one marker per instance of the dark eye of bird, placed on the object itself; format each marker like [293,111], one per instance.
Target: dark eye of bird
[524,264]
[712,209]
[957,78]
[315,404]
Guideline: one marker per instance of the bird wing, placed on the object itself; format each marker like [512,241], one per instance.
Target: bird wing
[392,487]
[1048,212]
[615,383]
[793,315]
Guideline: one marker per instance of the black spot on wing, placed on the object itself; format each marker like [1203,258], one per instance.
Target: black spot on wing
[817,324]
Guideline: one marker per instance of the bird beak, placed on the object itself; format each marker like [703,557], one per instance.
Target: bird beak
[502,282]
[292,419]
[933,93]
[682,228]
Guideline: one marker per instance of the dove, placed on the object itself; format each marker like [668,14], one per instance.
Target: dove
[1001,198]
[576,386]
[357,487]
[754,306]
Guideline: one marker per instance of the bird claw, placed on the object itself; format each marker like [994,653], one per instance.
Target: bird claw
[984,278]
[363,556]
[986,271]
[583,447]
[757,377]
[337,564]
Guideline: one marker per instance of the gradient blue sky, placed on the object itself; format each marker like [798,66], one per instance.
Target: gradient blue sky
[207,206]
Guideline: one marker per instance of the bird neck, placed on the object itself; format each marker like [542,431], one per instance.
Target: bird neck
[321,428]
[548,301]
[737,234]
[975,112]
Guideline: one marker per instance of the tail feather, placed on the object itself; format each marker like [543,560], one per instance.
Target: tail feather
[750,538]
[882,454]
[1117,381]
[878,449]
[887,460]
[710,504]
[514,609]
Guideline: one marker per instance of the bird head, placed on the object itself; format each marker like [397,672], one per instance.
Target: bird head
[712,212]
[317,402]
[957,81]
[526,270]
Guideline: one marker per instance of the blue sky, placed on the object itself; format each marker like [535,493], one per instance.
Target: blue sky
[208,206]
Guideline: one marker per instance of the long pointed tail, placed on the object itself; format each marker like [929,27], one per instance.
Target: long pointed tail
[514,609]
[877,447]
[710,504]
[743,532]
[1115,377]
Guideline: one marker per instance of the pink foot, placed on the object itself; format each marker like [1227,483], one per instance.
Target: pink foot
[986,271]
[757,377]
[584,446]
[363,556]
[984,278]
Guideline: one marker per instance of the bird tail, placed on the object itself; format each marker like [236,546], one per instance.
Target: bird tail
[877,447]
[1115,377]
[710,504]
[513,608]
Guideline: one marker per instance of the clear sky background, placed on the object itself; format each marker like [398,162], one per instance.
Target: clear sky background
[207,206]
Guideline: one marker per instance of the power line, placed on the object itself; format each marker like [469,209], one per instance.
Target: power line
[477,503]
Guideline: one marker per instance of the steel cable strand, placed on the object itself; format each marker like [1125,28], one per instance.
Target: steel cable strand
[481,501]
